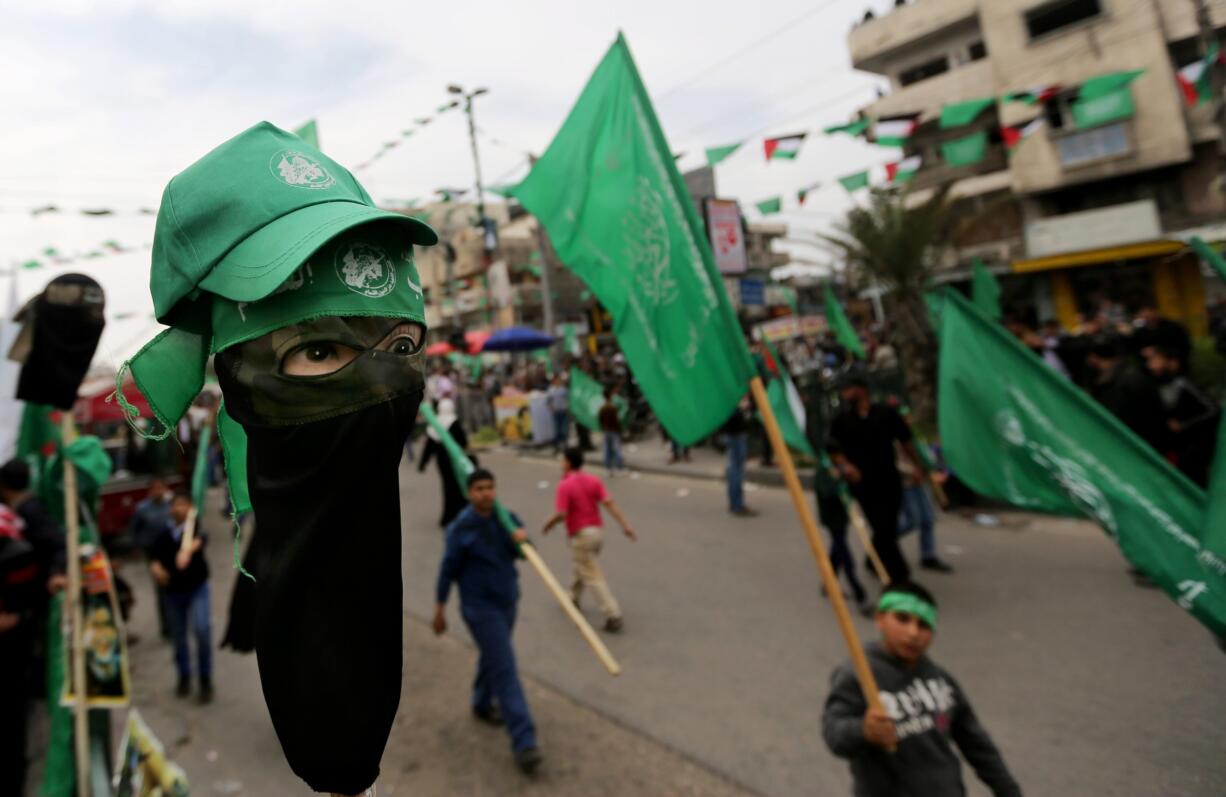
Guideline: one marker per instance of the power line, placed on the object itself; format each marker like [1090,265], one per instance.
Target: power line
[747,48]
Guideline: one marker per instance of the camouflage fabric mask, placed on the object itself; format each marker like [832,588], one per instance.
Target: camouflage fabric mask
[259,393]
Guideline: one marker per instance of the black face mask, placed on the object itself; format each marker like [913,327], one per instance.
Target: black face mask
[61,332]
[327,597]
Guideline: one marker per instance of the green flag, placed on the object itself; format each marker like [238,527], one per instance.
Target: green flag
[1210,255]
[587,397]
[717,154]
[620,217]
[1215,511]
[200,473]
[461,464]
[789,408]
[959,114]
[769,206]
[838,322]
[1014,430]
[854,182]
[570,340]
[1103,109]
[966,151]
[851,128]
[985,291]
[309,133]
[1107,84]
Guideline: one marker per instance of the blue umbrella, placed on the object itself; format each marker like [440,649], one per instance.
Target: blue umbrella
[517,339]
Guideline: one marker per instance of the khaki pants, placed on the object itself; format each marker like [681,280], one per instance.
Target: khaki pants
[584,548]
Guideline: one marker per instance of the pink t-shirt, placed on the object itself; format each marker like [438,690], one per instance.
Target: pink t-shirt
[579,496]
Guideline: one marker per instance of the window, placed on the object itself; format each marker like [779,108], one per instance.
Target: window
[977,51]
[1051,17]
[924,71]
[1096,144]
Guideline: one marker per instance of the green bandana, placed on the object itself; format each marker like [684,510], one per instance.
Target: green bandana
[909,604]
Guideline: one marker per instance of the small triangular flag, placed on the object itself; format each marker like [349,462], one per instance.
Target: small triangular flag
[717,154]
[783,147]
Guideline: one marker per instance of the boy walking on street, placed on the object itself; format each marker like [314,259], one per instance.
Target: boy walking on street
[611,427]
[480,558]
[579,498]
[906,749]
[182,572]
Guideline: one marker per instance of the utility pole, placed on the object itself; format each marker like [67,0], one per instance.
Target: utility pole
[489,237]
[546,282]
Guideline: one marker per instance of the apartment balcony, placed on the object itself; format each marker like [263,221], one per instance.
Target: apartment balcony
[873,41]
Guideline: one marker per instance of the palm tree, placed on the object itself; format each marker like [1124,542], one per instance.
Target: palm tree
[898,247]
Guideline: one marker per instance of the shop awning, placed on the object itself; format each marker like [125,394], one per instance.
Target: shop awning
[1092,257]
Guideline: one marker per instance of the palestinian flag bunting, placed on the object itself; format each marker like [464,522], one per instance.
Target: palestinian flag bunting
[1016,134]
[783,147]
[903,170]
[1196,79]
[768,206]
[1035,94]
[854,182]
[895,132]
[803,193]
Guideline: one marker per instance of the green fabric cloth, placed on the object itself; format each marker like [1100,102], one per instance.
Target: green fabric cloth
[769,206]
[959,114]
[200,472]
[985,291]
[59,765]
[1107,84]
[840,324]
[911,604]
[854,182]
[1014,430]
[1103,109]
[717,154]
[234,450]
[620,216]
[1210,255]
[966,151]
[587,397]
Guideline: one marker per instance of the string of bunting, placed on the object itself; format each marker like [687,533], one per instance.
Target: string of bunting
[1098,101]
[52,256]
[407,133]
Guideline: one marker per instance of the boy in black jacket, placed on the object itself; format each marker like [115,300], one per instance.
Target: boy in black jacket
[183,573]
[924,711]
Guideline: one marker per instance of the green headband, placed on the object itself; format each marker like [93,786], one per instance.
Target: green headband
[910,604]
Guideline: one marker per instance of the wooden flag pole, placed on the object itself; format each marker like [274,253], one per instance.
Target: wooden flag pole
[542,569]
[866,539]
[80,716]
[868,684]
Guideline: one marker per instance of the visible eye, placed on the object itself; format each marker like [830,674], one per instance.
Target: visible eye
[317,359]
[404,346]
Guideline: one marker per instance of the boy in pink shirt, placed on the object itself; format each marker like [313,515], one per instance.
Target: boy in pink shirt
[579,498]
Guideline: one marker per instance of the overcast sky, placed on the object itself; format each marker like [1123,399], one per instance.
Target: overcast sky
[103,103]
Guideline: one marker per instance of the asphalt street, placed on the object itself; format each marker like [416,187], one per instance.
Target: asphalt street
[1089,683]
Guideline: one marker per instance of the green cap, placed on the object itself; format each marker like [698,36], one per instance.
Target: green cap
[239,221]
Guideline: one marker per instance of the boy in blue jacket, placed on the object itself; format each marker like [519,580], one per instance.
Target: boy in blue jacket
[480,558]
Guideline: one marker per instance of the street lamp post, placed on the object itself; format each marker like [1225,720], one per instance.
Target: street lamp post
[488,237]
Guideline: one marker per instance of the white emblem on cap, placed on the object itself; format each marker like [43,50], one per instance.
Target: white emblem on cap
[366,269]
[299,169]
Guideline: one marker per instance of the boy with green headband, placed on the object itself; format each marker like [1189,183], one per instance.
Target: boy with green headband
[906,748]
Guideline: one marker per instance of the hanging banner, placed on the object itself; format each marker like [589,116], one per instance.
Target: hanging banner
[727,234]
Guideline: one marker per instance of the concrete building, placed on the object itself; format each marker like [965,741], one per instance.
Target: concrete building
[1081,211]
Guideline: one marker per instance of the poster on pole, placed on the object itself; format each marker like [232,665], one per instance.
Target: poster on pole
[727,236]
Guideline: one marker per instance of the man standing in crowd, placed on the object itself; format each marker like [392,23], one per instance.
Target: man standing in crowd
[558,398]
[862,438]
[480,558]
[183,574]
[611,427]
[1127,392]
[736,439]
[1151,329]
[1191,416]
[579,498]
[148,522]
